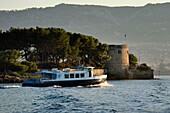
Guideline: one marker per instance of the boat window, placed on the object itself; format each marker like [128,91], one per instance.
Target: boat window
[66,75]
[89,73]
[82,75]
[72,75]
[77,75]
[47,75]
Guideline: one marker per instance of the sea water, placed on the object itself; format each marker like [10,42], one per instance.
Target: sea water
[122,96]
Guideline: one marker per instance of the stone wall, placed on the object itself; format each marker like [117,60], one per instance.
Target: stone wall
[129,74]
[98,71]
[138,74]
[119,63]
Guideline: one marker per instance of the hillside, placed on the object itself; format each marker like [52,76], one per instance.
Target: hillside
[146,28]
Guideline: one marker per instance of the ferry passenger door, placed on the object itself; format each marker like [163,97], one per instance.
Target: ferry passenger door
[54,76]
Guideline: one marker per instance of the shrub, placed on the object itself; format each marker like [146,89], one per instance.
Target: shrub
[144,67]
[132,60]
[16,74]
[47,65]
[18,67]
[32,67]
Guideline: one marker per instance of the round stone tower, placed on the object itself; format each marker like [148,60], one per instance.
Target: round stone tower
[117,66]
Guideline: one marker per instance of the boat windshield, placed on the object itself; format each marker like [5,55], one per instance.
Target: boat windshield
[80,68]
[46,75]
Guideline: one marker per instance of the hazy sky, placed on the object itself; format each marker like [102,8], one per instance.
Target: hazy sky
[23,4]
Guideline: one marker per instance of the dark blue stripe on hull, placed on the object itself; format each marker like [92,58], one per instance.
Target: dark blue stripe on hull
[66,83]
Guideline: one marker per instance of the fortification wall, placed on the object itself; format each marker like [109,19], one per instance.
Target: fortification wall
[98,71]
[119,63]
[119,54]
[138,74]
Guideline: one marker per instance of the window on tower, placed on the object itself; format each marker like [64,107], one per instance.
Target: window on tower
[119,51]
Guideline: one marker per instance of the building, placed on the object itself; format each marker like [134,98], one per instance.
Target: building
[118,65]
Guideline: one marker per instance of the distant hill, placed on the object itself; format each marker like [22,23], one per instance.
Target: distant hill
[147,28]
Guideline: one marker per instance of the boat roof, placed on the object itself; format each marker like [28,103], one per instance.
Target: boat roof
[44,71]
[84,67]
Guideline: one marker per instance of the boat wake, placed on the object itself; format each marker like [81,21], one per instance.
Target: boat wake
[10,86]
[102,85]
[57,86]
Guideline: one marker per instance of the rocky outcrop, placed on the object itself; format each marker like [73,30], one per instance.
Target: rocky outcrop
[10,79]
[142,74]
[124,74]
[130,74]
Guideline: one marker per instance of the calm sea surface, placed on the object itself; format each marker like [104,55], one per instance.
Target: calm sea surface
[127,96]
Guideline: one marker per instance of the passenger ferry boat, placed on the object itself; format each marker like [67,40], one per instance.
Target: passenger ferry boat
[80,76]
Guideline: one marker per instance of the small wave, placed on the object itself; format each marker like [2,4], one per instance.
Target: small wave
[105,84]
[11,86]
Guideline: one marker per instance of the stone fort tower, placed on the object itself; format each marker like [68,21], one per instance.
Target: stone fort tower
[117,66]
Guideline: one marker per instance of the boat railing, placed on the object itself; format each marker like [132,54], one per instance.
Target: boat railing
[66,70]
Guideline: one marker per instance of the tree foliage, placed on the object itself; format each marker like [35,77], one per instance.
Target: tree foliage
[9,62]
[143,67]
[32,67]
[132,60]
[54,46]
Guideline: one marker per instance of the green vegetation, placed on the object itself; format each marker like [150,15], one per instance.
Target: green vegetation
[11,68]
[132,60]
[48,48]
[23,51]
[133,63]
[32,66]
[9,62]
[143,67]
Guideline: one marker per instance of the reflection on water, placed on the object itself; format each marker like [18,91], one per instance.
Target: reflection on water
[113,96]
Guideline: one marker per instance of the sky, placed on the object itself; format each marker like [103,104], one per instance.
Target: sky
[23,4]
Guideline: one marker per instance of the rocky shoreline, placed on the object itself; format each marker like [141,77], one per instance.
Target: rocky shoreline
[9,78]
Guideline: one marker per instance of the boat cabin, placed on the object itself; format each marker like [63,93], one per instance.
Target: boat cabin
[80,72]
